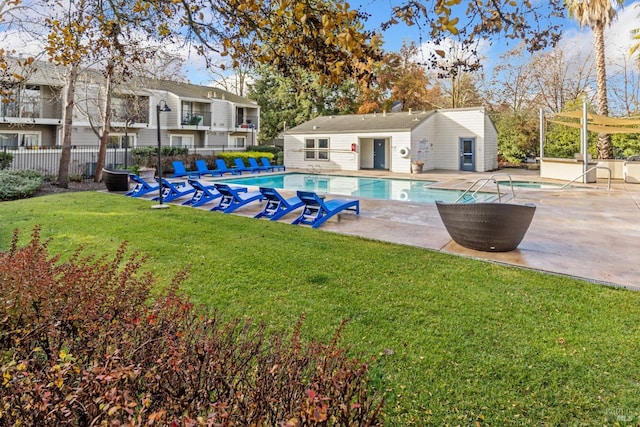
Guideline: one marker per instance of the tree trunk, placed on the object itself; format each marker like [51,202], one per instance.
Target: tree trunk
[605,149]
[67,124]
[106,120]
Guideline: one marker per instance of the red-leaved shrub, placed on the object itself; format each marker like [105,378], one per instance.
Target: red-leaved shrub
[82,342]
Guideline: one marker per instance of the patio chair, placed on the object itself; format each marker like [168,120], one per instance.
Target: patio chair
[180,171]
[277,206]
[317,210]
[266,163]
[201,166]
[203,194]
[235,198]
[240,166]
[141,188]
[253,164]
[172,191]
[222,168]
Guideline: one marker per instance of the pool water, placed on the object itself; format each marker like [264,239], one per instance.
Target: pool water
[374,188]
[531,184]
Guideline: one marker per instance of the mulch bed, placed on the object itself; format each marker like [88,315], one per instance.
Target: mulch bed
[52,187]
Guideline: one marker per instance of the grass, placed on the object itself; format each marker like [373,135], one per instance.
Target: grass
[455,341]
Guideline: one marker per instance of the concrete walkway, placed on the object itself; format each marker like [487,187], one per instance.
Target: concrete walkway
[586,232]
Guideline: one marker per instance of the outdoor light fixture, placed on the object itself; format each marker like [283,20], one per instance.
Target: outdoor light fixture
[161,107]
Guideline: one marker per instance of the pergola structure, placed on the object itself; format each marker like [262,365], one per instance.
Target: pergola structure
[589,122]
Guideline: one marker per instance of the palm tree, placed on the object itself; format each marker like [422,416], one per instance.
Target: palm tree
[636,36]
[596,14]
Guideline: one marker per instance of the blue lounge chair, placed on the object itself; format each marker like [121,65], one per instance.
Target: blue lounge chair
[203,194]
[253,164]
[179,171]
[142,187]
[201,166]
[172,191]
[222,168]
[277,206]
[240,166]
[234,198]
[266,163]
[317,211]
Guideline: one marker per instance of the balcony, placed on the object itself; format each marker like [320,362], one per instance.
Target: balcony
[196,119]
[47,108]
[250,124]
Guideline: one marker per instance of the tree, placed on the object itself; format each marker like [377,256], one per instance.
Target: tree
[287,102]
[636,36]
[511,85]
[597,14]
[318,36]
[455,66]
[402,79]
[624,84]
[475,20]
[560,76]
[236,82]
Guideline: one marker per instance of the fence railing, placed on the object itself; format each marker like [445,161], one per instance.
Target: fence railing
[82,165]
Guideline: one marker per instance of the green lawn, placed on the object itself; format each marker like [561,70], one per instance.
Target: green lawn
[456,341]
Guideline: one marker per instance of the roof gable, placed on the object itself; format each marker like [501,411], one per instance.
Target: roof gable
[363,122]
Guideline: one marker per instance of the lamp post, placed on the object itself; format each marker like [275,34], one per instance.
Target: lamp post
[127,123]
[161,107]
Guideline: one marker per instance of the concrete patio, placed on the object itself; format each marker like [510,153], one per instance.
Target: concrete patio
[587,232]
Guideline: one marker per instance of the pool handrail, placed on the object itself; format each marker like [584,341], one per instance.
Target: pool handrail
[484,182]
[586,172]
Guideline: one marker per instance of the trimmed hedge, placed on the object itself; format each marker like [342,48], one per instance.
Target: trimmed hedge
[228,156]
[5,160]
[19,184]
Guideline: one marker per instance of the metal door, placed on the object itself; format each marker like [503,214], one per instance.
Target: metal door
[379,154]
[467,154]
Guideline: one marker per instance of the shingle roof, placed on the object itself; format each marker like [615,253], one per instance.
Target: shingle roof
[46,73]
[188,90]
[363,122]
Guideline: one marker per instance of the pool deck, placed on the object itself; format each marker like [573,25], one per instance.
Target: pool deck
[587,232]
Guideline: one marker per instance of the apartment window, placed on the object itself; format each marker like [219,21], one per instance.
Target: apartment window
[239,116]
[130,108]
[316,149]
[239,141]
[30,101]
[119,141]
[182,141]
[19,139]
[22,101]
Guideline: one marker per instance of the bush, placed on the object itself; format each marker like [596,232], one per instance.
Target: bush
[82,343]
[19,184]
[228,156]
[146,156]
[5,160]
[265,149]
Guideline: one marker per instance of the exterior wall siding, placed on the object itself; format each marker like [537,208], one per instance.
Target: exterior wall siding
[465,123]
[340,155]
[435,140]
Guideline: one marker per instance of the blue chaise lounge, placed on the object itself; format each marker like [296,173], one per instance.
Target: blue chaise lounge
[317,210]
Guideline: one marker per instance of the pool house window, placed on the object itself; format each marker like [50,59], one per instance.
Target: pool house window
[316,149]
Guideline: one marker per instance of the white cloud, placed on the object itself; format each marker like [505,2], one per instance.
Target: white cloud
[617,36]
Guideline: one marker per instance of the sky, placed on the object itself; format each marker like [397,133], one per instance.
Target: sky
[618,38]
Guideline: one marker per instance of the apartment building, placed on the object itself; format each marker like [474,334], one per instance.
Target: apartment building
[200,117]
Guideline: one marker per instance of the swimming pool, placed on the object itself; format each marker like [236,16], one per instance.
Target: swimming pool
[375,188]
[531,184]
